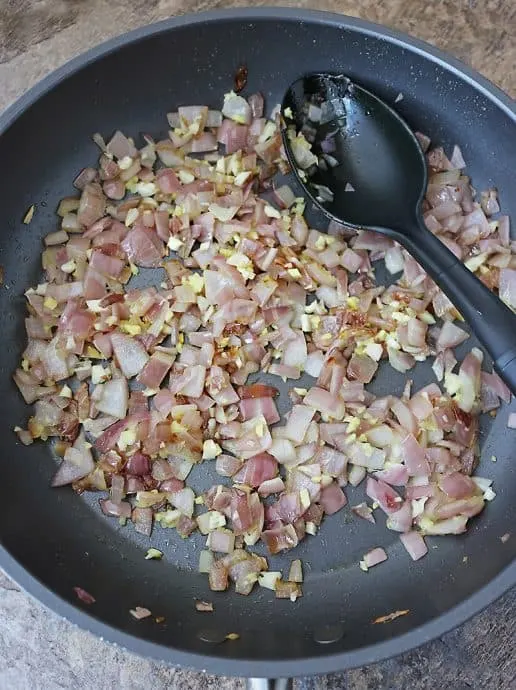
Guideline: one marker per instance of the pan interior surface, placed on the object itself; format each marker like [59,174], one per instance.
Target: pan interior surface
[63,541]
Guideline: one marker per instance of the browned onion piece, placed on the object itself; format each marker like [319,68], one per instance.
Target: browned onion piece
[218,577]
[288,590]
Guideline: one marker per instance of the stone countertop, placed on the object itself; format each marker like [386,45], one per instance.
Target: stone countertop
[39,651]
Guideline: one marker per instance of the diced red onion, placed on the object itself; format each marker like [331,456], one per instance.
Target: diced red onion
[374,557]
[113,398]
[235,303]
[415,545]
[130,354]
[332,499]
[84,596]
[142,519]
[76,464]
[364,511]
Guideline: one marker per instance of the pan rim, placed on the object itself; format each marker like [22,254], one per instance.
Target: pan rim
[329,662]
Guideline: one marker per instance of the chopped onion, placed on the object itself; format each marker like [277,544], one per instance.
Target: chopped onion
[296,571]
[113,398]
[373,557]
[249,290]
[206,560]
[76,464]
[364,511]
[84,596]
[204,606]
[237,108]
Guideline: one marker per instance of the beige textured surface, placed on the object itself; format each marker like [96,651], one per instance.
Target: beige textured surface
[40,651]
[36,36]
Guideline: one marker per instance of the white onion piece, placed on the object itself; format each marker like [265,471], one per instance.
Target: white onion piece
[214,118]
[450,336]
[76,464]
[380,436]
[394,260]
[453,525]
[210,521]
[54,360]
[356,474]
[237,108]
[285,196]
[401,520]
[222,541]
[206,560]
[457,159]
[295,354]
[227,465]
[296,571]
[314,363]
[283,450]
[323,401]
[271,486]
[183,500]
[114,396]
[131,355]
[404,416]
[298,422]
[181,467]
[54,238]
[508,286]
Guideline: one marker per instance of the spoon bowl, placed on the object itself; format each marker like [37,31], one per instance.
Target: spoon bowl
[362,165]
[379,160]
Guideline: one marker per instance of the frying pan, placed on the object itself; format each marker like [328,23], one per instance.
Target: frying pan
[52,540]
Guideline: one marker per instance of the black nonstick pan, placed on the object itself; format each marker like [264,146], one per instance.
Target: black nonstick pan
[52,541]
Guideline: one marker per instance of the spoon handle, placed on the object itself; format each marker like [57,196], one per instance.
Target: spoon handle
[492,321]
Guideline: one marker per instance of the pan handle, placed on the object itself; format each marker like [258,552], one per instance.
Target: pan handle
[270,684]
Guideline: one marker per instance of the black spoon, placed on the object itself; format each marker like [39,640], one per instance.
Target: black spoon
[379,156]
